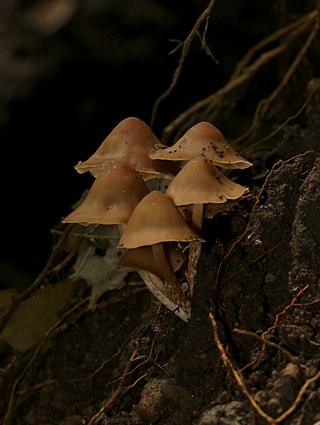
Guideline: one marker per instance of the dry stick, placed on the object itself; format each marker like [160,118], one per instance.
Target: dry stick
[237,80]
[131,372]
[116,393]
[217,96]
[284,311]
[280,127]
[27,393]
[300,23]
[264,342]
[264,104]
[204,45]
[238,377]
[228,364]
[185,49]
[275,325]
[271,39]
[148,358]
[134,334]
[298,399]
[170,280]
[59,267]
[47,269]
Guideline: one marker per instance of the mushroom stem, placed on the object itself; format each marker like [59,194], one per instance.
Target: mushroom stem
[121,228]
[168,274]
[160,291]
[195,246]
[197,216]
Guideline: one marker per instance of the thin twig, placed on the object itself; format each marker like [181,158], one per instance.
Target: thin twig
[280,127]
[292,304]
[263,341]
[304,20]
[115,394]
[216,97]
[237,375]
[241,382]
[185,49]
[264,104]
[243,73]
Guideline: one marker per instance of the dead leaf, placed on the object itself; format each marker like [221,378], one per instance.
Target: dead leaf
[36,315]
[99,272]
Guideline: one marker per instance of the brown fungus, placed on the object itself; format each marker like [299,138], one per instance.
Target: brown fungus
[200,182]
[155,221]
[153,218]
[202,139]
[112,197]
[130,141]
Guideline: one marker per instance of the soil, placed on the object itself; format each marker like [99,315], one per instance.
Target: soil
[249,354]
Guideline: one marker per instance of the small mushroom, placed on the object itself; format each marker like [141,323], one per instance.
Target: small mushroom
[155,221]
[199,183]
[201,139]
[112,197]
[130,141]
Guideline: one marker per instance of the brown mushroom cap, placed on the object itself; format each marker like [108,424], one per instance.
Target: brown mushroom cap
[130,141]
[200,182]
[112,197]
[202,139]
[154,220]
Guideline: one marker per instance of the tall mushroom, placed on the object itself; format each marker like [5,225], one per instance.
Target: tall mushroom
[198,183]
[130,141]
[155,221]
[202,139]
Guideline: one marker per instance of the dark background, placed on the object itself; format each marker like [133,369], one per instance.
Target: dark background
[69,75]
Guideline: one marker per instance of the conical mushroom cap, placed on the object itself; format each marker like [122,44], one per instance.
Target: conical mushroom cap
[200,182]
[112,197]
[130,141]
[154,220]
[206,140]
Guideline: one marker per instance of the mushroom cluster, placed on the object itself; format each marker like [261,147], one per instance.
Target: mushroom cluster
[160,227]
